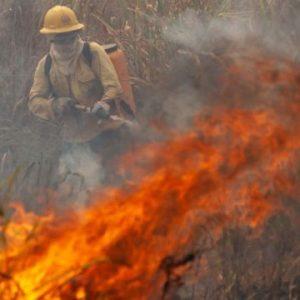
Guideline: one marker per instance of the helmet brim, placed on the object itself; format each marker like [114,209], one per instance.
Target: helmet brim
[62,30]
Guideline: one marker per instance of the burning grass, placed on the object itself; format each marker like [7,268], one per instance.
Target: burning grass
[138,27]
[208,213]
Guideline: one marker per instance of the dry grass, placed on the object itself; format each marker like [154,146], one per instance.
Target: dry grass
[137,26]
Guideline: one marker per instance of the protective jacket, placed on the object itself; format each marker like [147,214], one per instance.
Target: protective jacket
[89,83]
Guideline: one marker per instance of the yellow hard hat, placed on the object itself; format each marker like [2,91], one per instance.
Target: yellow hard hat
[60,19]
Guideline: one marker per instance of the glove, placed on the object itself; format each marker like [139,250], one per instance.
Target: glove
[101,110]
[62,106]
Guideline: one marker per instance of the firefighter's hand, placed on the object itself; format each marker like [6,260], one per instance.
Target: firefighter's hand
[101,110]
[62,106]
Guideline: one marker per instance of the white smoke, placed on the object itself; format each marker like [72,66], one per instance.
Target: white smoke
[198,39]
[200,34]
[193,32]
[81,171]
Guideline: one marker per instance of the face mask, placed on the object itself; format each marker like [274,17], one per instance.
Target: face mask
[65,51]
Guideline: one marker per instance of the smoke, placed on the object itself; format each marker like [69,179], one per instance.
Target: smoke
[199,62]
[203,47]
[202,34]
[193,31]
[196,65]
[80,171]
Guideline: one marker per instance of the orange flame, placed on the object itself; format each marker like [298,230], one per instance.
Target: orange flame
[234,165]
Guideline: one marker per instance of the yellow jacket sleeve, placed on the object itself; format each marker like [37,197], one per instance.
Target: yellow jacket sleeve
[39,102]
[106,73]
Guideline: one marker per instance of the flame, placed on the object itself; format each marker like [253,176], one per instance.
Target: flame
[233,165]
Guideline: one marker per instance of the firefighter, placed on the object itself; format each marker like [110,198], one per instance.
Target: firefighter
[76,85]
